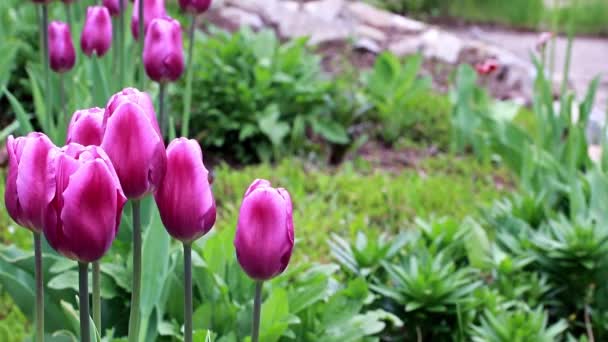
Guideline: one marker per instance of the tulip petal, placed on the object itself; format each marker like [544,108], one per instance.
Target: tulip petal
[89,211]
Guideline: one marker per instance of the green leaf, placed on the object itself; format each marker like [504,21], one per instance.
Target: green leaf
[8,130]
[331,130]
[271,126]
[22,117]
[275,316]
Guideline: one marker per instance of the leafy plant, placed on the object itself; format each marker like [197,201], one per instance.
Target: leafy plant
[522,325]
[257,96]
[392,86]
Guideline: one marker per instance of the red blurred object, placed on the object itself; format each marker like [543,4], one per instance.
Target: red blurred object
[487,67]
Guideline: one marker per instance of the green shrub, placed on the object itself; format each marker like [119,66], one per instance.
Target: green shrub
[255,97]
[518,326]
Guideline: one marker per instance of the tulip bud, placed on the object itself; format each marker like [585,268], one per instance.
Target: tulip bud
[163,50]
[62,56]
[114,6]
[132,95]
[195,6]
[152,9]
[97,31]
[184,198]
[83,217]
[136,148]
[264,234]
[86,127]
[27,193]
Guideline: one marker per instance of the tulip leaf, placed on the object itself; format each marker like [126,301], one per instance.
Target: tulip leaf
[8,130]
[22,117]
[100,90]
[275,316]
[155,264]
[40,110]
[69,280]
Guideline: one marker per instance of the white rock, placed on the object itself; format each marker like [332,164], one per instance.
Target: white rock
[595,153]
[369,32]
[406,46]
[439,44]
[367,45]
[382,19]
[239,17]
[324,9]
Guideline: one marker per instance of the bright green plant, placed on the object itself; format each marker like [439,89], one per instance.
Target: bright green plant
[520,325]
[392,86]
[256,96]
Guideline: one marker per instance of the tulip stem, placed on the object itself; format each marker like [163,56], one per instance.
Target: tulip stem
[121,42]
[187,292]
[97,296]
[162,110]
[141,36]
[83,278]
[257,308]
[62,100]
[190,72]
[134,317]
[39,288]
[45,51]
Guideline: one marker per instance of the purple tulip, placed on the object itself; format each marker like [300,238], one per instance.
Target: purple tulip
[152,9]
[97,31]
[83,217]
[136,148]
[163,50]
[62,55]
[195,6]
[184,198]
[114,6]
[86,127]
[132,95]
[264,234]
[27,193]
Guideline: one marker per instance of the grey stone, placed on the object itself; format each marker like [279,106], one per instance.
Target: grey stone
[324,9]
[368,32]
[441,45]
[406,46]
[239,17]
[367,44]
[370,15]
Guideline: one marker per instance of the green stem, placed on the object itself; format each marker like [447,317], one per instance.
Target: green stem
[115,48]
[97,296]
[39,288]
[142,71]
[45,52]
[68,14]
[162,108]
[83,278]
[121,42]
[134,317]
[187,292]
[257,308]
[62,98]
[190,72]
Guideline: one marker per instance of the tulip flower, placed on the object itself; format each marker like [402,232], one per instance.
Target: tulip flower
[139,156]
[152,9]
[26,197]
[264,237]
[186,207]
[132,95]
[27,194]
[97,32]
[163,58]
[114,6]
[184,198]
[163,50]
[195,6]
[62,56]
[86,127]
[83,216]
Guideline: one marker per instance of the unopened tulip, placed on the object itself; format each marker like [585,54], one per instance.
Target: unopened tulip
[62,55]
[163,50]
[136,148]
[264,234]
[132,95]
[195,6]
[184,198]
[152,9]
[97,32]
[114,6]
[27,194]
[86,127]
[83,217]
